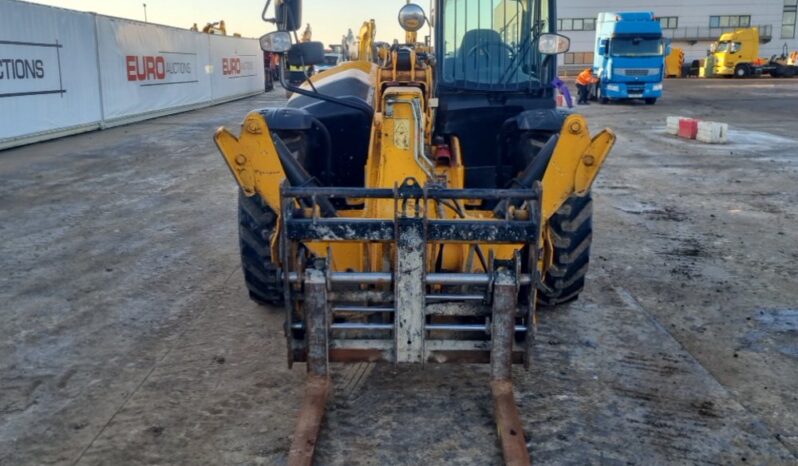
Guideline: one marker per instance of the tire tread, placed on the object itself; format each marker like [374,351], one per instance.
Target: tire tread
[572,234]
[256,223]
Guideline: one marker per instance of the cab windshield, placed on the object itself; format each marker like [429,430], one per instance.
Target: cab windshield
[636,47]
[490,44]
[728,46]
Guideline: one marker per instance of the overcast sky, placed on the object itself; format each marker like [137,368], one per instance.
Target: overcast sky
[330,19]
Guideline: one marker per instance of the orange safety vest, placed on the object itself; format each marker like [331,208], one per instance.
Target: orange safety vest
[586,77]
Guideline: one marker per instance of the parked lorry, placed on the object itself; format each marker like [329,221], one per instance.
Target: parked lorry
[674,63]
[629,56]
[737,54]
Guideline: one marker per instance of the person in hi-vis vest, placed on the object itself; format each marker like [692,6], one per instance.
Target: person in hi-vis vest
[583,83]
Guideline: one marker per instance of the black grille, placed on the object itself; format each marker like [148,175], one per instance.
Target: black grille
[633,72]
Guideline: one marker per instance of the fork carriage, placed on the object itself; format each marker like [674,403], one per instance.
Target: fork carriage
[411,314]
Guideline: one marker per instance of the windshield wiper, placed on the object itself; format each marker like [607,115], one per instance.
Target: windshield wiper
[512,67]
[523,50]
[517,61]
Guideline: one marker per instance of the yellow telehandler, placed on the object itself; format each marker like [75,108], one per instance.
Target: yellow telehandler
[419,209]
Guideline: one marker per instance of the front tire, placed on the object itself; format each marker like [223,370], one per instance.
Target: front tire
[601,98]
[572,234]
[741,71]
[651,101]
[256,224]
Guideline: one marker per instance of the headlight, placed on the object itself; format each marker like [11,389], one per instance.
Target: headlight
[613,87]
[658,87]
[276,42]
[553,44]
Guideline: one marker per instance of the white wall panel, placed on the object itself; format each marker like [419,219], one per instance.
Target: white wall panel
[148,68]
[48,71]
[237,66]
[63,71]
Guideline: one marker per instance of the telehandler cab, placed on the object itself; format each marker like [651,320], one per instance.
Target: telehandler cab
[420,209]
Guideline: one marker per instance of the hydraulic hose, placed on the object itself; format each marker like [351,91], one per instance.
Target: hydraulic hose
[328,153]
[361,106]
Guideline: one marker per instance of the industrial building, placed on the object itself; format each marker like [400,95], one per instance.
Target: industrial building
[691,25]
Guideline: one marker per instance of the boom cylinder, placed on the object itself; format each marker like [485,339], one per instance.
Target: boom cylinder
[296,175]
[532,173]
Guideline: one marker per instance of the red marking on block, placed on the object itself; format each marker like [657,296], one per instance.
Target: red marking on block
[688,128]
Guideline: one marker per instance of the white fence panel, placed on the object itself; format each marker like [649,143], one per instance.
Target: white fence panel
[146,68]
[63,71]
[48,72]
[237,66]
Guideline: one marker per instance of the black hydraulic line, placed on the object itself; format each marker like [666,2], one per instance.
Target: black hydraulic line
[328,152]
[458,209]
[502,141]
[532,173]
[363,107]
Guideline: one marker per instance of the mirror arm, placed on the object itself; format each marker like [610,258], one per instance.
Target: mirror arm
[291,20]
[316,95]
[265,10]
[544,68]
[307,78]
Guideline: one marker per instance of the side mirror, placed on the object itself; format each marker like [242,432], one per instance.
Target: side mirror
[276,42]
[553,44]
[288,14]
[603,47]
[306,54]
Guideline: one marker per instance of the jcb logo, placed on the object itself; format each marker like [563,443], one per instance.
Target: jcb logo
[231,66]
[145,68]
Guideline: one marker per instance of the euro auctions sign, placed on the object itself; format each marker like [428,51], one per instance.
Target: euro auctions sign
[238,67]
[30,68]
[162,68]
[231,66]
[65,71]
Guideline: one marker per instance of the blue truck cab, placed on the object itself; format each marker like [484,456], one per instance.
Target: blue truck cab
[629,56]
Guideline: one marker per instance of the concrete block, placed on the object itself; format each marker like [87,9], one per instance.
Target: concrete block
[688,128]
[672,125]
[711,132]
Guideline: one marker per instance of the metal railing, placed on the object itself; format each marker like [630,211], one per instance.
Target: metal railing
[700,33]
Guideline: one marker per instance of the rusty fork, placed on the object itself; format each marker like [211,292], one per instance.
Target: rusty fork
[508,421]
[319,384]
